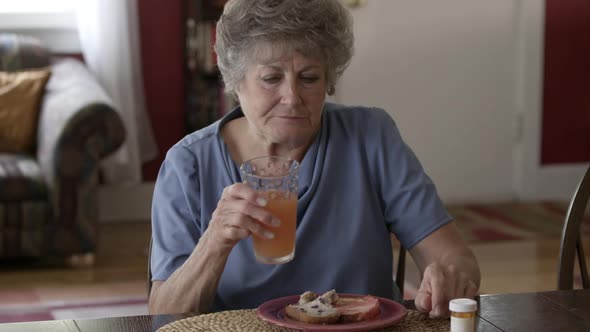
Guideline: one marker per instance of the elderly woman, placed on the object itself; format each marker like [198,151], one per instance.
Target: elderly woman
[358,183]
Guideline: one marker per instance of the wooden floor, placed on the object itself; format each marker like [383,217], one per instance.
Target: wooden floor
[507,267]
[120,265]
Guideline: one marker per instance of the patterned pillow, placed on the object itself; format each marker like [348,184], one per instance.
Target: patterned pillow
[20,100]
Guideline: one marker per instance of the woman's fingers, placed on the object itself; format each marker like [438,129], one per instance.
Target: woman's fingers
[240,212]
[235,233]
[439,286]
[240,216]
[258,213]
[254,227]
[249,202]
[241,191]
[431,289]
[423,300]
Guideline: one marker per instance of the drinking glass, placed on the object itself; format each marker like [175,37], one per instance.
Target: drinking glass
[275,179]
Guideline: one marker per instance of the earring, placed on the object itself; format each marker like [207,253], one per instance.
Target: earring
[331,90]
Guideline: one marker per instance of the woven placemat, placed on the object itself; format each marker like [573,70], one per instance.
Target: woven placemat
[247,321]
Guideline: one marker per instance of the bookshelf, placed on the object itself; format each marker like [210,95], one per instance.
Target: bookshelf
[205,99]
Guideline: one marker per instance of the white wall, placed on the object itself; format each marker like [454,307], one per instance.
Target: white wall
[456,75]
[445,71]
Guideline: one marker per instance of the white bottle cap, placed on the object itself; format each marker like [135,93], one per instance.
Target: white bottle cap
[463,305]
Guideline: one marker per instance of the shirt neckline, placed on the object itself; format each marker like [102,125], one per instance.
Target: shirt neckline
[306,168]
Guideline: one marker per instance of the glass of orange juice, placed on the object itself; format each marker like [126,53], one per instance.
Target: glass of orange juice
[275,179]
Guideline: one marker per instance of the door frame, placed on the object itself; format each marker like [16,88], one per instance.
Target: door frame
[532,180]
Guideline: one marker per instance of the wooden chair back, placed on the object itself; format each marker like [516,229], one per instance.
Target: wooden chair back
[149,270]
[400,273]
[571,239]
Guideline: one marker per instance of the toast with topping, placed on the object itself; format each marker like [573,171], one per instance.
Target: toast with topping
[329,308]
[315,311]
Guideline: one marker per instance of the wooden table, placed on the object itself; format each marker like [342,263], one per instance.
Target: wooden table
[544,311]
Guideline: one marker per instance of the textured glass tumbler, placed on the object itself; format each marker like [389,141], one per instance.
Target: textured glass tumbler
[275,179]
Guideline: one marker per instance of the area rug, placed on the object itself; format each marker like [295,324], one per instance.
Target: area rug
[34,305]
[512,220]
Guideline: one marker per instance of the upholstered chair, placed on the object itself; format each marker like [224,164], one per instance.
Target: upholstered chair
[48,186]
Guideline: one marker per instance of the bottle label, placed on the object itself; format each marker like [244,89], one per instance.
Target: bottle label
[462,324]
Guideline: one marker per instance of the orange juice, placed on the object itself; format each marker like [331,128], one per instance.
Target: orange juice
[282,247]
[275,179]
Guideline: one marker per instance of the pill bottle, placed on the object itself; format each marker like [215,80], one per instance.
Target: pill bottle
[462,315]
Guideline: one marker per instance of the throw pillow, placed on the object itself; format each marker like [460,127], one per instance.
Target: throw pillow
[20,100]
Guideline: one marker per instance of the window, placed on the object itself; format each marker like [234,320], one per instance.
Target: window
[51,21]
[37,14]
[36,6]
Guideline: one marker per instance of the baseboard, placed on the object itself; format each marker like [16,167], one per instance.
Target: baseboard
[125,203]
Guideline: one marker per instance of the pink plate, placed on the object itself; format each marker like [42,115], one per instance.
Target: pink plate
[273,312]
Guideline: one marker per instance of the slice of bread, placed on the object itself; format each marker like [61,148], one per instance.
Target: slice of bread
[316,311]
[329,308]
[307,297]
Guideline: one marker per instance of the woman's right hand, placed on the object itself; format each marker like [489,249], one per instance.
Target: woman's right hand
[239,214]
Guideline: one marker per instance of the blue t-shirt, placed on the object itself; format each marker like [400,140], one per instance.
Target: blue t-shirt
[358,182]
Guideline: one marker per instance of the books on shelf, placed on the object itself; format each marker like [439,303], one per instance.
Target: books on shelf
[200,41]
[206,104]
[206,100]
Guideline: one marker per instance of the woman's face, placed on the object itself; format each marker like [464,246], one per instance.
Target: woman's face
[282,96]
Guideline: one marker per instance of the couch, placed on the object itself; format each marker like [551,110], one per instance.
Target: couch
[48,188]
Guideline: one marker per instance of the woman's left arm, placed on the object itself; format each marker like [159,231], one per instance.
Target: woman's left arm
[449,270]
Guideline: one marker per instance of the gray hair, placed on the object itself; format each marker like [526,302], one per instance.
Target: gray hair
[314,27]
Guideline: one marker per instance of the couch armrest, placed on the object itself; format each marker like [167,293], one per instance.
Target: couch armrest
[78,126]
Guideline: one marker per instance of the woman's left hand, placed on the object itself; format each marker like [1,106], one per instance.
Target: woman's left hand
[449,271]
[440,284]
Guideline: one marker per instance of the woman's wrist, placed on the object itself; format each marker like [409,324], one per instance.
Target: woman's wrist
[212,247]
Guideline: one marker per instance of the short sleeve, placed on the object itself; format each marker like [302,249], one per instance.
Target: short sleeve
[175,212]
[411,205]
